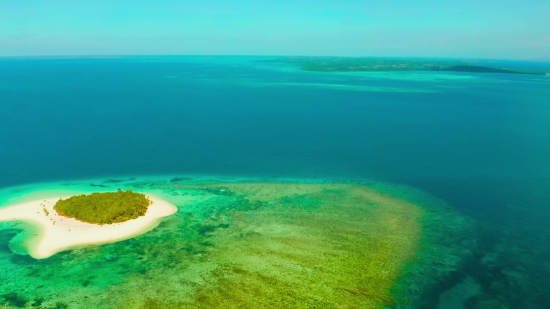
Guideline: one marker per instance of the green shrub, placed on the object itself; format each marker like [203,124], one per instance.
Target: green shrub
[105,207]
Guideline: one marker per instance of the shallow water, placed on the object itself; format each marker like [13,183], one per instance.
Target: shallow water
[478,142]
[252,243]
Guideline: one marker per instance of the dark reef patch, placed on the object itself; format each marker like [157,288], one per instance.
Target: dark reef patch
[98,185]
[113,180]
[178,179]
[37,302]
[19,259]
[14,299]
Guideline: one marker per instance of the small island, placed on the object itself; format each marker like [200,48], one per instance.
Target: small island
[68,222]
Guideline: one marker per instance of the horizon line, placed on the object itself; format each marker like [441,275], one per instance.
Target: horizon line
[97,56]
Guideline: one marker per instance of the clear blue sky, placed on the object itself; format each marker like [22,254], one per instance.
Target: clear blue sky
[513,29]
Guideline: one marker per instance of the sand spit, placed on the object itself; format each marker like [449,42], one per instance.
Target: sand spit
[58,233]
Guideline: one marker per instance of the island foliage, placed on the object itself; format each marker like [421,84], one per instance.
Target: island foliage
[104,207]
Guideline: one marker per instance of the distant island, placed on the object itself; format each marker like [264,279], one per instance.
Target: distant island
[349,64]
[105,207]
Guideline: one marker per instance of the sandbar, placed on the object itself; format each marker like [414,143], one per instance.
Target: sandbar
[58,233]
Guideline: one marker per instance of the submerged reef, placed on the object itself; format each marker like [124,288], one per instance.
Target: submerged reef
[261,245]
[104,207]
[289,246]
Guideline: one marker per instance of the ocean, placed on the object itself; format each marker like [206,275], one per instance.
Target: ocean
[478,143]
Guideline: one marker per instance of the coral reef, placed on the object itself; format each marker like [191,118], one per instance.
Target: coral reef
[259,245]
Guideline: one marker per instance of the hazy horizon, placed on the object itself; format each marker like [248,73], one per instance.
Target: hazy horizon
[101,56]
[443,29]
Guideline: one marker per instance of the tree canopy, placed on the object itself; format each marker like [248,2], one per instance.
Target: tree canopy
[104,207]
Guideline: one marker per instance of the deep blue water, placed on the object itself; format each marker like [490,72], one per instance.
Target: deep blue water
[481,142]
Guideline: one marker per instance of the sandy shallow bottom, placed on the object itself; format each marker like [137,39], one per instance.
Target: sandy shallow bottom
[58,233]
[244,244]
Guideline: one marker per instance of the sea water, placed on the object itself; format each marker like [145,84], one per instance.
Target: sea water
[478,142]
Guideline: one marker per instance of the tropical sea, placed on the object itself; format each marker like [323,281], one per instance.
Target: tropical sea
[472,148]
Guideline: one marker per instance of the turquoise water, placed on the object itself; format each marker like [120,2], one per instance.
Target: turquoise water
[293,244]
[479,142]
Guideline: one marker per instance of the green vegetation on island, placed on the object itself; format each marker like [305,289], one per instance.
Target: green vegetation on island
[373,64]
[105,207]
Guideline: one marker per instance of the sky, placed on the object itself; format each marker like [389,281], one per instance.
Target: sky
[497,29]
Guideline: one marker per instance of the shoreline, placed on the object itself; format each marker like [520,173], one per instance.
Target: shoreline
[55,233]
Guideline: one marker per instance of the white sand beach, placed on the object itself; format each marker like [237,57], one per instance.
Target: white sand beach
[60,233]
